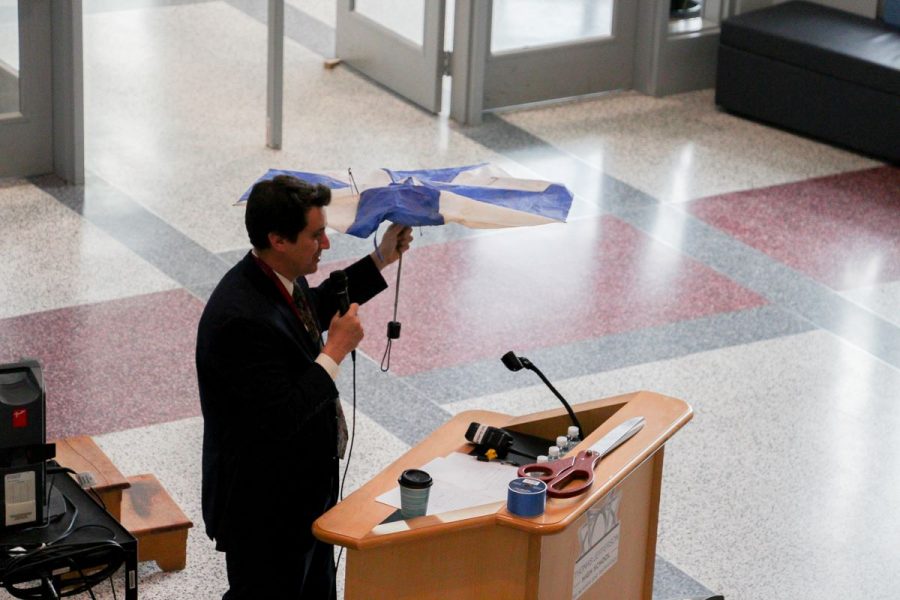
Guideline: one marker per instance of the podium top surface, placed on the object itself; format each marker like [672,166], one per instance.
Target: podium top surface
[357,521]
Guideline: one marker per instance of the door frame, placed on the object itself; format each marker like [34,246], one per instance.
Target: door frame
[46,135]
[412,71]
[483,80]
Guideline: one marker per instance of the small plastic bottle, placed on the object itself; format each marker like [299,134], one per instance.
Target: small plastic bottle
[562,442]
[553,453]
[574,438]
[542,458]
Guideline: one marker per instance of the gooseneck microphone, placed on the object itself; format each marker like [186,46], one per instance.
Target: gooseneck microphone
[339,282]
[517,363]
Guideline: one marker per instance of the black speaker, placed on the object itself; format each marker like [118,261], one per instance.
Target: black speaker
[23,448]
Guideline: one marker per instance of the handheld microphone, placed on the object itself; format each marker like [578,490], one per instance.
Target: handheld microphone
[339,282]
[517,363]
[490,437]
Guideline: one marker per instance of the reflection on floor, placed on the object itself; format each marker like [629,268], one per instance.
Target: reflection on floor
[753,273]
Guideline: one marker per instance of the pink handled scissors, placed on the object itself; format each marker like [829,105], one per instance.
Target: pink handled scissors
[560,473]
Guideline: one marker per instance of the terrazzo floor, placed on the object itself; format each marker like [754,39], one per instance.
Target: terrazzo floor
[753,273]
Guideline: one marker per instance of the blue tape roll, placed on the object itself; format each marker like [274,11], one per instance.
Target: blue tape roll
[526,497]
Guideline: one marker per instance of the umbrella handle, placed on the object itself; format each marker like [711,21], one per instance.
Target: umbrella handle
[393,330]
[397,293]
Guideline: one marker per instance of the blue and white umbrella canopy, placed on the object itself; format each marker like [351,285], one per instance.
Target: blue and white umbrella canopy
[480,196]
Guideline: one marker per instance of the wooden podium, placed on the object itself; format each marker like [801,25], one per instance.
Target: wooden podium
[600,544]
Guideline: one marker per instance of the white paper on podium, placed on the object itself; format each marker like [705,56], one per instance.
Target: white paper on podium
[460,481]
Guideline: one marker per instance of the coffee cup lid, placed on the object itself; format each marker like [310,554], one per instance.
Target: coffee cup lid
[415,478]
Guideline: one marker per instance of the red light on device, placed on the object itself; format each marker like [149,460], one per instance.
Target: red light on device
[20,417]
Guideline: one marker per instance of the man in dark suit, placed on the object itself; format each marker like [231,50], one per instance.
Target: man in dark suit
[273,428]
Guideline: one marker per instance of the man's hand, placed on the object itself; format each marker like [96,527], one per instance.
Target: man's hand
[344,334]
[395,242]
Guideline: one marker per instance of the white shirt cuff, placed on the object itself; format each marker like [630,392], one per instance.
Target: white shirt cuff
[327,363]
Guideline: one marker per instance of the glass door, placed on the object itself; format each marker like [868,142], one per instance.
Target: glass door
[26,119]
[9,57]
[542,50]
[398,43]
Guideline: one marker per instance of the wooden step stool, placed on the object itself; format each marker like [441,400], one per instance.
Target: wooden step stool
[139,503]
[159,525]
[83,456]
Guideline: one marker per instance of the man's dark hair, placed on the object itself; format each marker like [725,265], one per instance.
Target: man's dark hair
[279,206]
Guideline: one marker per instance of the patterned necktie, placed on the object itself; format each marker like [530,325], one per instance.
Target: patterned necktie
[309,321]
[306,315]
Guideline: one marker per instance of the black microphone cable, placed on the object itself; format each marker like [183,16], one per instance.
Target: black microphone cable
[81,479]
[107,555]
[340,279]
[39,563]
[352,434]
[349,454]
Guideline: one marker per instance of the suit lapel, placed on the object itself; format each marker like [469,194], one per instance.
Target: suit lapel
[289,320]
[294,327]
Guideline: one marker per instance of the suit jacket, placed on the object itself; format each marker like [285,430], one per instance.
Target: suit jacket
[269,417]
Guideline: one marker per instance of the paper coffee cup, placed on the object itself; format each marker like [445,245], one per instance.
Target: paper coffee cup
[414,487]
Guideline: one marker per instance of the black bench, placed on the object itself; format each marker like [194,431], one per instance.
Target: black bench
[815,70]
